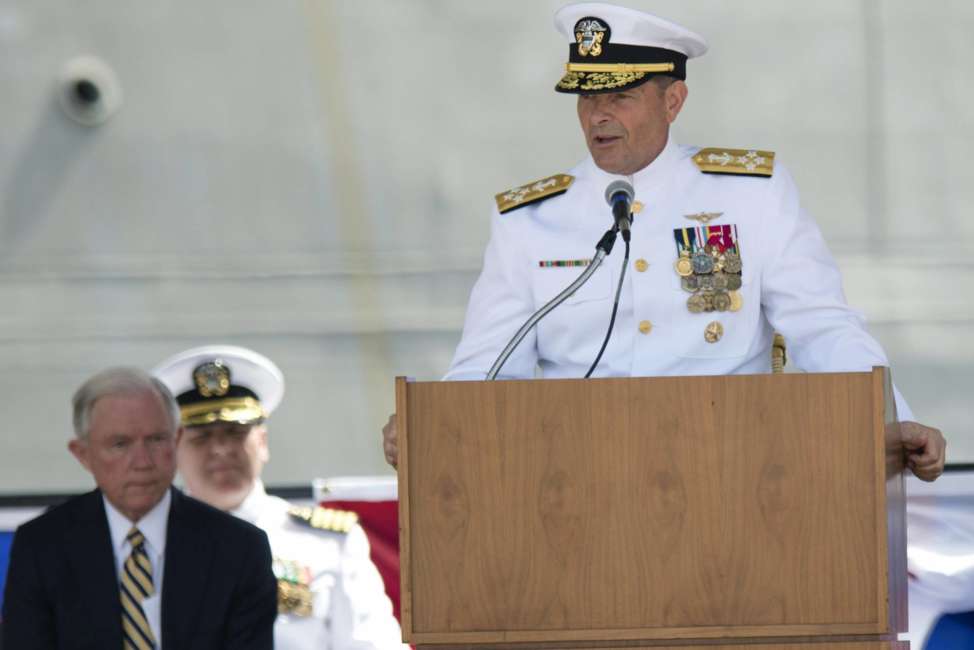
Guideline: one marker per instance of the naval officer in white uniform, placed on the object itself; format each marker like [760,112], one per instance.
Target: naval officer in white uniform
[330,594]
[723,254]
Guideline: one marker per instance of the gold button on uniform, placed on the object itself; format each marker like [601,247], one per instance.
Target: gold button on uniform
[641,265]
[637,207]
[645,326]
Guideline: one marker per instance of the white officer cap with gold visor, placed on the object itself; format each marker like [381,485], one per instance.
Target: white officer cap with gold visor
[614,48]
[222,383]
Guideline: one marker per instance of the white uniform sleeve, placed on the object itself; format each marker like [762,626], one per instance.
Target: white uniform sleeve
[802,294]
[500,302]
[361,611]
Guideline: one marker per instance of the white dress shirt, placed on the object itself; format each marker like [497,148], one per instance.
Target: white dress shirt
[153,527]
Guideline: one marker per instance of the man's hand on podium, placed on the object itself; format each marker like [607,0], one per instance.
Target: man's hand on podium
[390,442]
[925,449]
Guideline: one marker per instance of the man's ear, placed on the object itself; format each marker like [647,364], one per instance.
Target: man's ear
[673,99]
[179,435]
[265,451]
[79,449]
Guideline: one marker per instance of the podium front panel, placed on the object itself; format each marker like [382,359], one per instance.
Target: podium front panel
[645,508]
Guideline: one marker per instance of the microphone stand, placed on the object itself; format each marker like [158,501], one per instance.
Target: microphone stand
[602,250]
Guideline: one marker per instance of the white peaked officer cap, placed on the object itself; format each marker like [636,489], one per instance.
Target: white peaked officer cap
[614,48]
[222,383]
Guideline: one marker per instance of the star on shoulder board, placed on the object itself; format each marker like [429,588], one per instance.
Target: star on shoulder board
[533,192]
[737,162]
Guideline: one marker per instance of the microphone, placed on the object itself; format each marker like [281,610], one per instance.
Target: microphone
[620,195]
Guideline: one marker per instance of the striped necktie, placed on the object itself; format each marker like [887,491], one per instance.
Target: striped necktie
[136,587]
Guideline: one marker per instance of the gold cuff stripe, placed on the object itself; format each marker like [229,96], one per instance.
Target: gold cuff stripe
[620,67]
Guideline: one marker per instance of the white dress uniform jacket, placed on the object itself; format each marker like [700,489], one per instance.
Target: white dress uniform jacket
[350,609]
[940,551]
[790,283]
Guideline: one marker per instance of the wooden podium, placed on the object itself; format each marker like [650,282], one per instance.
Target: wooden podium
[761,511]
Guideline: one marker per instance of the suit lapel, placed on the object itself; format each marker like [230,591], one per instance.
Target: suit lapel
[188,559]
[90,556]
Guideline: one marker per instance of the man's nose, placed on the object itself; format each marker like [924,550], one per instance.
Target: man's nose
[600,113]
[141,456]
[220,443]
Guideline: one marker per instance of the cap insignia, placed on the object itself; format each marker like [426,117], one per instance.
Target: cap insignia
[336,521]
[742,162]
[591,34]
[533,192]
[212,379]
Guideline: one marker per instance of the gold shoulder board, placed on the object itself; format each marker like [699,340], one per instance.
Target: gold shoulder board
[533,192]
[336,521]
[742,162]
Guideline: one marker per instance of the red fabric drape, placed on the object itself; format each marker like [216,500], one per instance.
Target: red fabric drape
[380,520]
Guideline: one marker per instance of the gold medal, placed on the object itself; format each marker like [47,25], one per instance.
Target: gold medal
[708,300]
[722,301]
[696,303]
[732,262]
[702,263]
[736,301]
[684,266]
[714,332]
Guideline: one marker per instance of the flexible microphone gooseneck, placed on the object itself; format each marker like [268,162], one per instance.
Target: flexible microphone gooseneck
[620,195]
[615,310]
[602,250]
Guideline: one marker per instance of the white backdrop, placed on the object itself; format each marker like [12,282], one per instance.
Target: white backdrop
[312,179]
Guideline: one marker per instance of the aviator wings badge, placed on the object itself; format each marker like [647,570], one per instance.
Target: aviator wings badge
[704,217]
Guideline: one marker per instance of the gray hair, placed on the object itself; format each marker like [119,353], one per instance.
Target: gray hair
[662,81]
[118,381]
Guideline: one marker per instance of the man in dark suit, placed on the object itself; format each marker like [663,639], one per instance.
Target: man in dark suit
[135,563]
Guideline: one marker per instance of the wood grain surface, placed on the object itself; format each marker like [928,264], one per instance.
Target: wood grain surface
[647,508]
[826,644]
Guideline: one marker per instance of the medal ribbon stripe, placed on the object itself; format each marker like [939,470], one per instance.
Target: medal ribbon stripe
[136,586]
[545,264]
[685,240]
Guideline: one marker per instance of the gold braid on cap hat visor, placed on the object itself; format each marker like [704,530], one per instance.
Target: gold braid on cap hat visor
[620,67]
[232,409]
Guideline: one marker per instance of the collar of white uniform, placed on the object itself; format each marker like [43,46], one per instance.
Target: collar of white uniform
[651,177]
[253,504]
